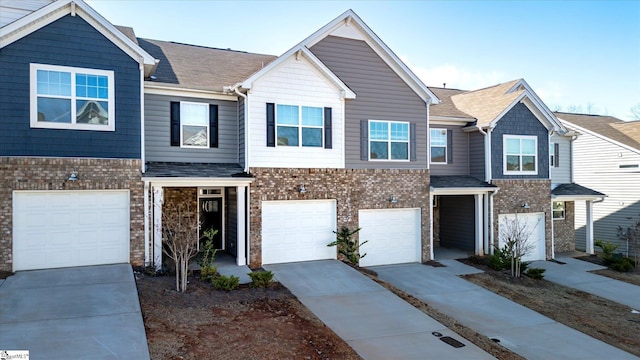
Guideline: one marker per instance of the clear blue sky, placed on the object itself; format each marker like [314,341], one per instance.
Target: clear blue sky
[581,56]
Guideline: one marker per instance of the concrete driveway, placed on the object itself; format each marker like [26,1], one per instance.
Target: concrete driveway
[73,313]
[373,321]
[518,328]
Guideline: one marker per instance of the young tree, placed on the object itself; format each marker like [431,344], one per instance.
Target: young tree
[515,234]
[180,235]
[631,234]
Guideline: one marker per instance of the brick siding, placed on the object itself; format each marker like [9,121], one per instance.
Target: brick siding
[564,231]
[21,173]
[353,189]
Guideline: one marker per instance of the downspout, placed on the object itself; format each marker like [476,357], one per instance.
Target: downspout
[246,129]
[487,175]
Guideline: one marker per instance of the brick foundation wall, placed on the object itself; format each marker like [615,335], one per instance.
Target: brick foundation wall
[564,231]
[353,189]
[52,174]
[514,193]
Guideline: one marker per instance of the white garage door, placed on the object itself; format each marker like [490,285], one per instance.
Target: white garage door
[53,229]
[534,224]
[393,236]
[298,230]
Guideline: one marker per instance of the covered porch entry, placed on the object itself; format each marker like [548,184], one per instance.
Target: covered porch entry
[217,193]
[460,217]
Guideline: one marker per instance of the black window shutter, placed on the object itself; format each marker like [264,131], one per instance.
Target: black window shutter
[175,124]
[327,128]
[556,157]
[412,142]
[364,140]
[213,126]
[449,147]
[271,125]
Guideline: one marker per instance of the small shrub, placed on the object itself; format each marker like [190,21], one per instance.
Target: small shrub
[536,273]
[226,283]
[261,279]
[524,265]
[500,260]
[347,245]
[208,272]
[622,264]
[607,247]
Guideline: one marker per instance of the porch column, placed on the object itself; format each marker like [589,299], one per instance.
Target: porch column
[485,228]
[479,224]
[589,227]
[241,230]
[158,199]
[147,244]
[431,252]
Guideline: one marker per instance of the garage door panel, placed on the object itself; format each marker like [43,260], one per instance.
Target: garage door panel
[70,228]
[393,236]
[535,227]
[297,230]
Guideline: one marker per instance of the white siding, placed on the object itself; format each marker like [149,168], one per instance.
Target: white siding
[596,166]
[562,173]
[294,82]
[12,10]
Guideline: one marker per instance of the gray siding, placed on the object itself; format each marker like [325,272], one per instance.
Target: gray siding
[241,130]
[457,220]
[157,132]
[68,41]
[380,95]
[561,174]
[460,150]
[476,155]
[519,121]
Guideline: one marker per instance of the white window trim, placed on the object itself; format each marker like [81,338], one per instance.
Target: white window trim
[299,126]
[390,141]
[34,123]
[504,154]
[446,147]
[552,154]
[208,123]
[564,211]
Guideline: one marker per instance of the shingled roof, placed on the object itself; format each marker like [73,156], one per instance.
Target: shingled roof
[446,108]
[627,133]
[486,104]
[200,67]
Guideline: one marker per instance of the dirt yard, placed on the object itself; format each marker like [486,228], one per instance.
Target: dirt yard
[632,277]
[602,319]
[246,323]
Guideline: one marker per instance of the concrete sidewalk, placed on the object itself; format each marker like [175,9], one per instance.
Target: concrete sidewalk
[373,321]
[518,328]
[574,273]
[88,312]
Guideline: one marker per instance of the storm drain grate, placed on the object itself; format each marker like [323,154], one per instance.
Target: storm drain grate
[448,339]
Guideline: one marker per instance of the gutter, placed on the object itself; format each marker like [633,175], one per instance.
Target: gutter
[235,90]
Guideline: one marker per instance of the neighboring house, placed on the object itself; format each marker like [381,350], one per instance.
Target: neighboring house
[101,132]
[499,153]
[606,156]
[71,104]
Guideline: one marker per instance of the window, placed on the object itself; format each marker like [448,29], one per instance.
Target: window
[438,141]
[520,155]
[388,140]
[194,125]
[552,155]
[72,98]
[299,125]
[558,210]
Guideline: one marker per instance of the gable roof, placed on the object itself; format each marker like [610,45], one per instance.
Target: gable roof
[350,18]
[44,16]
[446,108]
[200,67]
[622,132]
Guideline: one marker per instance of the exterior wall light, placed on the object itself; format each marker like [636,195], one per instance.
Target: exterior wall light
[393,200]
[73,176]
[302,189]
[525,205]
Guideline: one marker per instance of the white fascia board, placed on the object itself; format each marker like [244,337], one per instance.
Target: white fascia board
[446,120]
[546,121]
[462,190]
[576,197]
[151,87]
[297,51]
[600,136]
[195,182]
[542,107]
[377,45]
[58,9]
[494,122]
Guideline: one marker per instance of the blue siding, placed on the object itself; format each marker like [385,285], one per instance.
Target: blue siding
[69,41]
[519,121]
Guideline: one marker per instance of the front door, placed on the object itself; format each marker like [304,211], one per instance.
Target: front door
[211,215]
